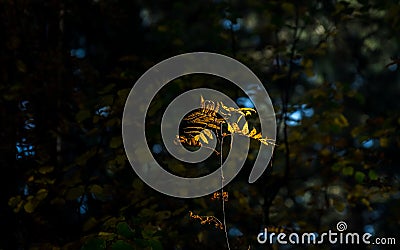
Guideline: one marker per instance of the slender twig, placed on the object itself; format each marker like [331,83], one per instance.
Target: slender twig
[276,185]
[222,188]
[287,92]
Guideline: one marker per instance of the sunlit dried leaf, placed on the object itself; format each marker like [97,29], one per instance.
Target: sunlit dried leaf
[253,132]
[245,129]
[225,107]
[240,117]
[230,129]
[248,110]
[257,136]
[203,123]
[203,138]
[208,133]
[235,127]
[207,220]
[217,196]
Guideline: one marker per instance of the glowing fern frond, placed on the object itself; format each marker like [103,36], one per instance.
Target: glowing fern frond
[202,137]
[189,141]
[267,141]
[257,136]
[210,117]
[208,133]
[207,220]
[242,111]
[192,142]
[218,196]
[234,128]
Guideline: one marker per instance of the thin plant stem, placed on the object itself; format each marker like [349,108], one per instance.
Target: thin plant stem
[222,189]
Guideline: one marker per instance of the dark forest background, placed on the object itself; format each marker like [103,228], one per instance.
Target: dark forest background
[331,69]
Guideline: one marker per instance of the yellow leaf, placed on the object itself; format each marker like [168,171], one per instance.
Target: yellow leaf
[384,142]
[106,235]
[263,141]
[235,127]
[365,202]
[270,141]
[13,201]
[257,136]
[96,189]
[31,205]
[230,109]
[224,107]
[240,117]
[203,138]
[213,126]
[46,169]
[202,101]
[341,121]
[230,129]
[248,109]
[253,132]
[245,129]
[208,133]
[216,108]
[41,194]
[325,152]
[18,207]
